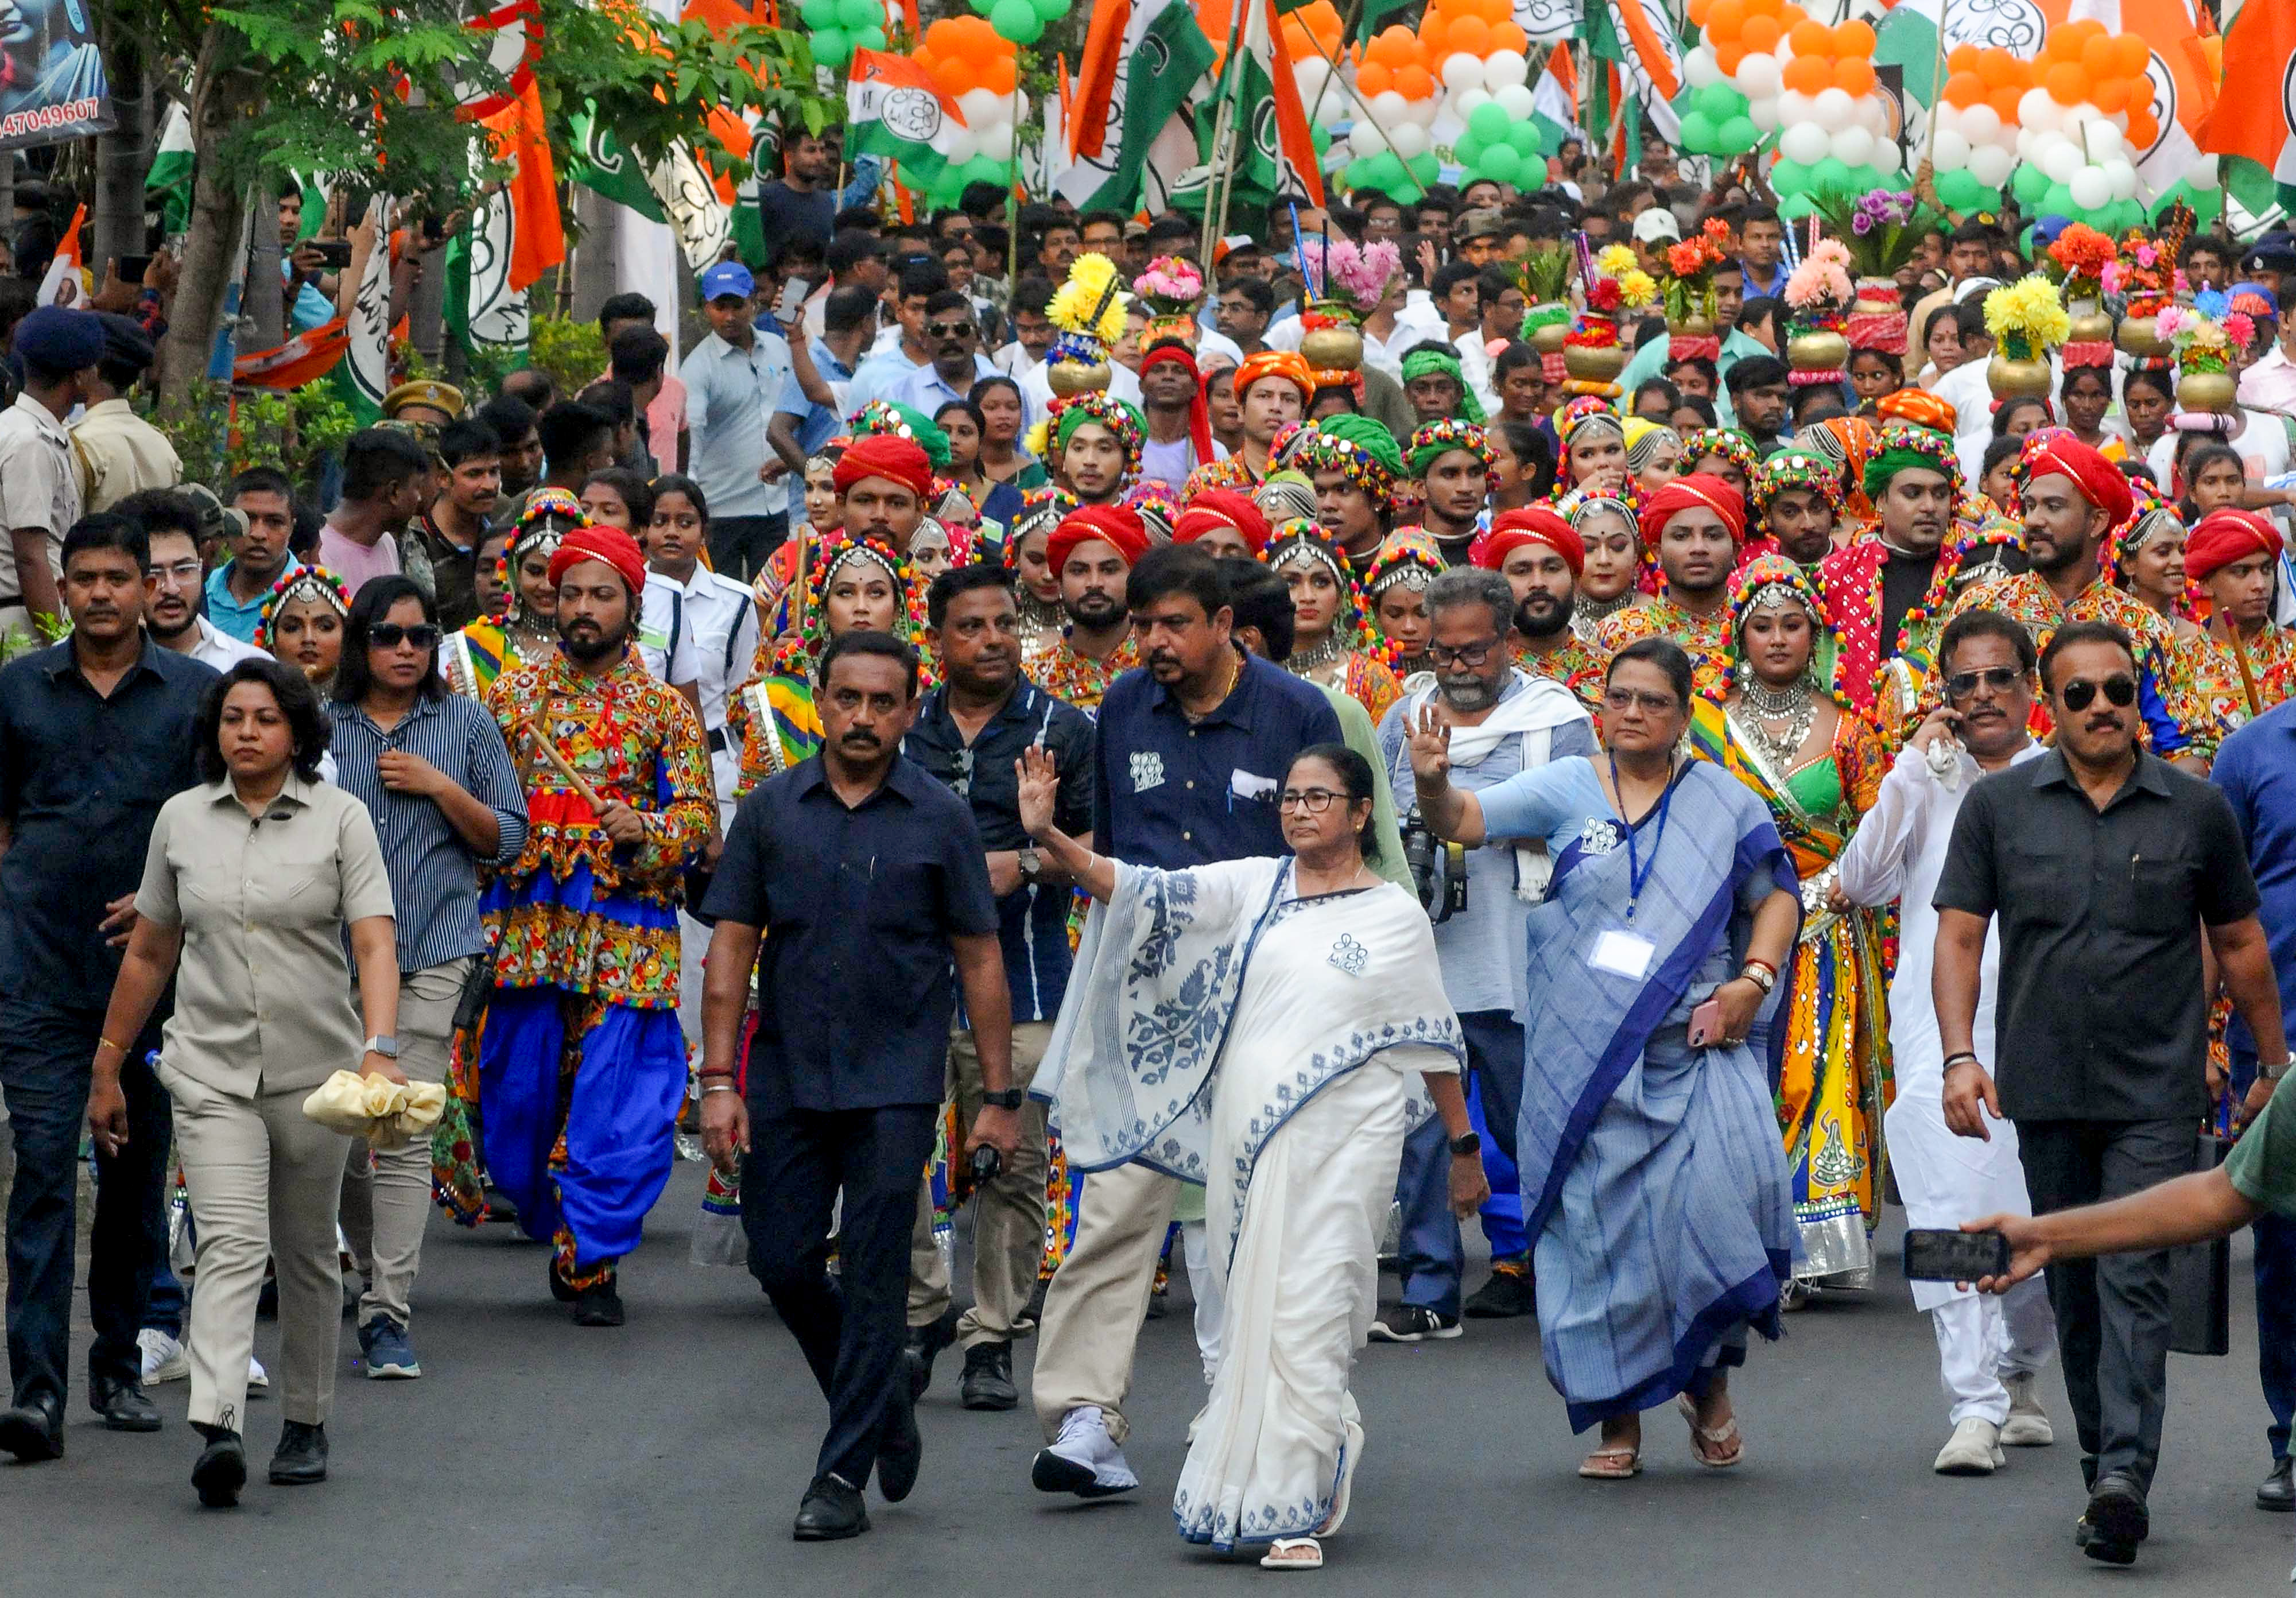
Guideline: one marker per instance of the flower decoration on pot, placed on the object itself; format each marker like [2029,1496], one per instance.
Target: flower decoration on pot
[1089,311]
[1171,288]
[1592,355]
[2204,345]
[1881,231]
[1819,295]
[2080,259]
[1544,276]
[2143,277]
[2027,320]
[1346,283]
[1688,291]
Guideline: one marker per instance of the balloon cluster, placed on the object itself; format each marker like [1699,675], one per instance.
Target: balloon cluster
[1975,143]
[1392,148]
[1767,66]
[838,27]
[2083,124]
[1483,63]
[1315,38]
[977,68]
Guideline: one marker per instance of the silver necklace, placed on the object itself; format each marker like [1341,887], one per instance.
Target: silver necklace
[1598,610]
[1794,704]
[1329,652]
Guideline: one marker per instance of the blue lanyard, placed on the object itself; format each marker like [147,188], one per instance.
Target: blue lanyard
[1637,874]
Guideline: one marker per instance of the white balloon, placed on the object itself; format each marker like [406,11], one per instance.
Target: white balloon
[1387,108]
[1990,164]
[2038,111]
[2029,145]
[1462,71]
[2202,173]
[1364,137]
[1409,139]
[1020,104]
[1759,76]
[1515,98]
[1795,106]
[1870,113]
[2122,176]
[1853,146]
[1764,113]
[1946,118]
[1834,110]
[1423,111]
[2104,141]
[1505,67]
[1464,104]
[1979,124]
[2090,190]
[1885,156]
[1332,107]
[963,145]
[979,107]
[1700,69]
[1950,151]
[997,142]
[2059,159]
[1804,142]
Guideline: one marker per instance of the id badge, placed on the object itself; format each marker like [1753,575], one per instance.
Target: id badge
[1622,954]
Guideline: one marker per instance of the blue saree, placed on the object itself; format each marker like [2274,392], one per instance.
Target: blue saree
[1655,1190]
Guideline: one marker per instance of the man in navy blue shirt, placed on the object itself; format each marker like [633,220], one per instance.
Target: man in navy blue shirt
[970,732]
[871,878]
[1191,751]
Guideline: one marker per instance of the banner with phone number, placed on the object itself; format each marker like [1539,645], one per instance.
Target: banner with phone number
[53,84]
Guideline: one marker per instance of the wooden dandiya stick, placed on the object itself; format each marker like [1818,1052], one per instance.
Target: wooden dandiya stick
[2239,658]
[543,740]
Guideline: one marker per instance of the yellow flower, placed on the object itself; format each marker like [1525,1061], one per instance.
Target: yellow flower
[1636,289]
[2031,309]
[1089,279]
[1614,260]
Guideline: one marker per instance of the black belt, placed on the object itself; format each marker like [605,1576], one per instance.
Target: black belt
[717,741]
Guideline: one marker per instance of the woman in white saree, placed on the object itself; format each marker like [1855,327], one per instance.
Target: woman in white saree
[1263,1026]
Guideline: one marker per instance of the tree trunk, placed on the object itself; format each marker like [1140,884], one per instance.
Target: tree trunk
[265,300]
[595,263]
[222,92]
[121,157]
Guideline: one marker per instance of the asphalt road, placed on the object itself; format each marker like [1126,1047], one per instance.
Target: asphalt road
[540,1461]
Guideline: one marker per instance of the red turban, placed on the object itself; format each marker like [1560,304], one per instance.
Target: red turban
[1683,494]
[1223,507]
[1287,363]
[2059,454]
[887,455]
[1113,525]
[1200,416]
[1533,524]
[2228,535]
[593,541]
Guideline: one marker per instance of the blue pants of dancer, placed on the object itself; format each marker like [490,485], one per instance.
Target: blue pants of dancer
[1430,1253]
[616,1110]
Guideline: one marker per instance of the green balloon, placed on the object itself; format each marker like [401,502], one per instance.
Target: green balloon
[1050,11]
[870,38]
[1721,102]
[1010,18]
[1523,137]
[1502,162]
[1789,177]
[2057,200]
[1958,190]
[1424,166]
[981,170]
[832,47]
[1735,137]
[2028,184]
[854,15]
[1385,166]
[1699,133]
[1793,208]
[1356,174]
[819,13]
[1469,149]
[1489,122]
[1830,176]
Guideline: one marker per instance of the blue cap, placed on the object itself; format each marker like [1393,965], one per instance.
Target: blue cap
[727,277]
[2046,229]
[56,340]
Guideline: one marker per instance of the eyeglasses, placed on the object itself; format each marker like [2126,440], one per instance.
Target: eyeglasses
[176,575]
[2080,693]
[1468,655]
[1314,801]
[390,635]
[1960,684]
[947,330]
[1625,699]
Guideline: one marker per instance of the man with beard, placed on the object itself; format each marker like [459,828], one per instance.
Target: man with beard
[1760,394]
[1797,496]
[2074,496]
[1189,763]
[1506,720]
[1179,421]
[1095,451]
[1273,388]
[1540,556]
[882,480]
[1354,463]
[582,1066]
[1451,461]
[1091,551]
[1988,1351]
[171,583]
[1695,524]
[442,542]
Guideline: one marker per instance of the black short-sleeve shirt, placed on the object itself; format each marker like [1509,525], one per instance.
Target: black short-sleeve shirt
[2101,1014]
[855,983]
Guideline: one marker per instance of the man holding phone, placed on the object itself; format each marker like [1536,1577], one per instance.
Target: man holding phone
[2105,865]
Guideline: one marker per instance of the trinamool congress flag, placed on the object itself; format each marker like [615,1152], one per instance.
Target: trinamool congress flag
[894,108]
[365,374]
[1141,63]
[169,180]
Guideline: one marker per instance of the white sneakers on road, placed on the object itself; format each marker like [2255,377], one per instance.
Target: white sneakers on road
[1083,1460]
[1974,1449]
[164,1360]
[2028,1425]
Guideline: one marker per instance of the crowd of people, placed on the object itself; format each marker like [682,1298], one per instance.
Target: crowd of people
[1185,803]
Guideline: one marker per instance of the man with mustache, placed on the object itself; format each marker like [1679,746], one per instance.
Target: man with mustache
[1540,555]
[2107,868]
[864,883]
[584,927]
[1091,551]
[1696,524]
[1989,1350]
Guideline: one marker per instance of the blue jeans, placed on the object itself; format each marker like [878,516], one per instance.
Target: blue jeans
[2276,1298]
[1430,1253]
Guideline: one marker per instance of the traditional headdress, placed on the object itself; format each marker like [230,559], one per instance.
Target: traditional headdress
[887,455]
[1099,408]
[1305,544]
[593,541]
[1918,407]
[2227,535]
[550,513]
[1422,361]
[1533,524]
[301,582]
[1684,493]
[1222,507]
[1112,525]
[1157,505]
[1728,442]
[1903,447]
[883,418]
[1848,442]
[1408,557]
[1645,439]
[1356,445]
[803,618]
[1796,469]
[1172,353]
[1287,496]
[2054,452]
[1289,364]
[1764,581]
[1584,417]
[1436,439]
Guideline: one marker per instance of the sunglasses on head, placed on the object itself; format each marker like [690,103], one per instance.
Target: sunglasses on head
[1960,684]
[390,635]
[2079,694]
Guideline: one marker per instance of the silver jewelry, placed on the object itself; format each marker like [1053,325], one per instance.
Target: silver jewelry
[709,1087]
[1331,652]
[1584,609]
[1795,704]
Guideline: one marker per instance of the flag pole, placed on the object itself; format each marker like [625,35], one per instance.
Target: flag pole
[1223,138]
[1361,104]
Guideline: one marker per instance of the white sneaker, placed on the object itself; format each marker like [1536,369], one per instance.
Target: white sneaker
[1084,1460]
[2028,1425]
[1973,1449]
[164,1359]
[259,1380]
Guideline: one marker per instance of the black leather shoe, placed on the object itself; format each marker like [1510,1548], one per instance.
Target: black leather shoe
[2118,1520]
[2277,1491]
[599,1306]
[832,1510]
[124,1405]
[501,1209]
[901,1451]
[988,1380]
[925,1346]
[221,1470]
[33,1432]
[558,1288]
[301,1457]
[1507,1295]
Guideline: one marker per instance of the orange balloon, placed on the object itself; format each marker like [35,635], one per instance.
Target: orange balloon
[940,37]
[2101,58]
[1963,90]
[1854,38]
[954,73]
[1809,74]
[1435,33]
[2067,83]
[1729,57]
[1397,47]
[2003,103]
[1963,59]
[1853,74]
[2078,34]
[1811,38]
[1764,8]
[1496,12]
[1468,36]
[1790,15]
[2136,59]
[1724,19]
[1995,68]
[1698,14]
[1507,39]
[1373,78]
[2111,94]
[1759,34]
[999,76]
[2143,128]
[1414,82]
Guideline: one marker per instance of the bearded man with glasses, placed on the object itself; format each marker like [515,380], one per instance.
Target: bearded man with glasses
[173,581]
[2107,866]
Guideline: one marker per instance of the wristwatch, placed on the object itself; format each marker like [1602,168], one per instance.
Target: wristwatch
[1008,1098]
[1031,864]
[384,1044]
[1469,1142]
[2273,1073]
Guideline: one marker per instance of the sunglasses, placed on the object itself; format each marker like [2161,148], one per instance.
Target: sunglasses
[1960,684]
[2080,693]
[947,330]
[422,635]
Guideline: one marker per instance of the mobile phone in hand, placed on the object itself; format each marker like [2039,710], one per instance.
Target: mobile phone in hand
[334,254]
[130,268]
[792,301]
[1942,1256]
[1706,1025]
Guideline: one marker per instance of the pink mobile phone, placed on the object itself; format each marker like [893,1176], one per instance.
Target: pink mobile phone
[1706,1025]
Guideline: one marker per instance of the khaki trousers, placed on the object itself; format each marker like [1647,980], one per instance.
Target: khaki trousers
[387,1192]
[263,1179]
[1008,1214]
[1099,1296]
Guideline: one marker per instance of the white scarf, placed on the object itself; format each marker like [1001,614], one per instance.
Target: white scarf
[1543,705]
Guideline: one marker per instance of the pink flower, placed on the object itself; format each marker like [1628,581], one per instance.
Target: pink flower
[2167,323]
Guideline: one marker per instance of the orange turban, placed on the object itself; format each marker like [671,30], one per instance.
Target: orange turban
[1286,363]
[887,455]
[1682,493]
[2227,535]
[1222,507]
[594,541]
[2057,453]
[1920,407]
[1533,524]
[1113,525]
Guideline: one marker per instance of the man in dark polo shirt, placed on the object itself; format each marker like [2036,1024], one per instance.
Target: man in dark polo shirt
[95,736]
[871,878]
[1192,752]
[2106,866]
[970,732]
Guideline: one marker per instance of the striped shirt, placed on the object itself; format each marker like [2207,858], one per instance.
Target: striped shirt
[434,880]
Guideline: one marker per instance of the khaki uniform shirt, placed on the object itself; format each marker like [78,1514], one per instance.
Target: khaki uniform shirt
[39,484]
[117,453]
[263,992]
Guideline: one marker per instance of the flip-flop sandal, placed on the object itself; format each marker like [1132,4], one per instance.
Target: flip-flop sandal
[1629,1464]
[1274,1558]
[1725,1435]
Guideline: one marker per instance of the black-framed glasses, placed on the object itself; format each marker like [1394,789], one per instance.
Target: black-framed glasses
[2080,693]
[390,635]
[1960,684]
[1314,801]
[947,330]
[1469,655]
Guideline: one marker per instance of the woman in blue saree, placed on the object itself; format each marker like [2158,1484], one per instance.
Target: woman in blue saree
[1655,1190]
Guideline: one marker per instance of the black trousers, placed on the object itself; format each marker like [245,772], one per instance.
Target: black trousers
[46,1058]
[741,545]
[2113,1313]
[852,1329]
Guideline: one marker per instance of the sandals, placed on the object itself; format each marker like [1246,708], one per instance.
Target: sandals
[1617,1463]
[1294,1553]
[1722,1437]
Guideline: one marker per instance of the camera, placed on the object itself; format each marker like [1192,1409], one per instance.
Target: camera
[1439,869]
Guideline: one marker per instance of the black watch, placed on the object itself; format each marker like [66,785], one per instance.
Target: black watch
[1009,1098]
[1469,1142]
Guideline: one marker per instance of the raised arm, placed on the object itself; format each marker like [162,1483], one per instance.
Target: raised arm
[1039,779]
[1449,813]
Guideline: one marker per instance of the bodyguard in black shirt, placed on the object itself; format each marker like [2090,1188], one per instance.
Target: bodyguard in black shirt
[869,876]
[2105,865]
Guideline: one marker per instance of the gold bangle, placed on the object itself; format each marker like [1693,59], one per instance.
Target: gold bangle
[107,1043]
